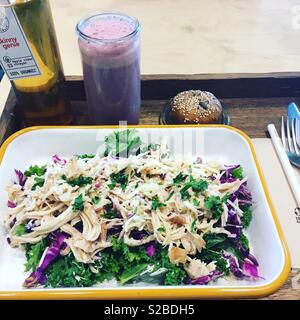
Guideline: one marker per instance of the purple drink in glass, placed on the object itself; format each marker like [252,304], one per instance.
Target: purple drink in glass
[110,50]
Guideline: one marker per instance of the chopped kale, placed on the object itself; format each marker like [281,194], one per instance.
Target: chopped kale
[221,263]
[213,239]
[34,254]
[215,205]
[246,217]
[175,274]
[67,272]
[244,241]
[132,273]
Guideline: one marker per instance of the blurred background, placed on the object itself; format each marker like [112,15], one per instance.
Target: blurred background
[196,36]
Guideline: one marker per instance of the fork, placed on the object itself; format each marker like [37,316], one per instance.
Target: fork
[288,138]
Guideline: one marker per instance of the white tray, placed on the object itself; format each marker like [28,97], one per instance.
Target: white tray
[222,143]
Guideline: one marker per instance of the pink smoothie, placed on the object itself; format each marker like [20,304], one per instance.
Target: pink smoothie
[110,50]
[108,29]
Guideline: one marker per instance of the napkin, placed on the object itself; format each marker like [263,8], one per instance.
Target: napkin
[281,195]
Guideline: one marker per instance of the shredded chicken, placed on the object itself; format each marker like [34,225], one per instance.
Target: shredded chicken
[196,268]
[135,198]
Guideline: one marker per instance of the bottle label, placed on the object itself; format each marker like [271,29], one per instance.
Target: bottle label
[16,57]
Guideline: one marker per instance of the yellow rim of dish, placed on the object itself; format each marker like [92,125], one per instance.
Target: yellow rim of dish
[163,292]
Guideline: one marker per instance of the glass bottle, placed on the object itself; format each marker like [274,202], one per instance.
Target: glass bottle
[41,99]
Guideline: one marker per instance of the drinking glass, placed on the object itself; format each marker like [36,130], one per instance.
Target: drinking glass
[109,44]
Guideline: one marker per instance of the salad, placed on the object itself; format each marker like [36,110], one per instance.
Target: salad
[131,213]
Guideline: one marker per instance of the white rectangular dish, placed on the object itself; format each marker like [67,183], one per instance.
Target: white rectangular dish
[221,143]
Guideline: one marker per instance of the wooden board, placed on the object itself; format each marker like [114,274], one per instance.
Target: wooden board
[253,100]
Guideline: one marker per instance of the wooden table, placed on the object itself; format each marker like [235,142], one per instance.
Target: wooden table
[240,36]
[253,100]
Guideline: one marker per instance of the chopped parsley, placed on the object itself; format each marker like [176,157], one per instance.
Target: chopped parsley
[35,171]
[226,197]
[20,230]
[161,229]
[110,213]
[196,202]
[238,173]
[199,186]
[184,193]
[170,195]
[38,182]
[156,203]
[78,203]
[79,181]
[118,178]
[179,178]
[86,156]
[96,200]
[193,225]
[137,185]
[196,185]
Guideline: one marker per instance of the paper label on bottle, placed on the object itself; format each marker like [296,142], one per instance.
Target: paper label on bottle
[16,57]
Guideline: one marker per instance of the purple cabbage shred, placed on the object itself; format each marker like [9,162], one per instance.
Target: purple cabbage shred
[57,160]
[51,253]
[227,176]
[250,269]
[246,270]
[11,204]
[21,177]
[203,280]
[150,250]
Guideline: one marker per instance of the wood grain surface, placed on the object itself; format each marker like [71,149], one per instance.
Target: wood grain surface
[253,102]
[195,36]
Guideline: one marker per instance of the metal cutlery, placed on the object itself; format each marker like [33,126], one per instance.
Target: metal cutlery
[288,138]
[293,112]
[286,157]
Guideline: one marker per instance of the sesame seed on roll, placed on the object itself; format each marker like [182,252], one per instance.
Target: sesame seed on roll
[196,107]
